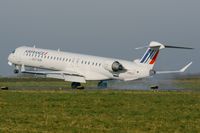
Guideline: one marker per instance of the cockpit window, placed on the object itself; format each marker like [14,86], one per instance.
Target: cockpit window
[13,51]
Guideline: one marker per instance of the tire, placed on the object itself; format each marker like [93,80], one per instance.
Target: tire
[75,85]
[16,71]
[102,85]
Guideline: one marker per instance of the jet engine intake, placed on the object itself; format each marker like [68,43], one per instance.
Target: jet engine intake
[115,67]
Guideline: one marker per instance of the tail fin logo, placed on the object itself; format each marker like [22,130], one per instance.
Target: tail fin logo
[150,56]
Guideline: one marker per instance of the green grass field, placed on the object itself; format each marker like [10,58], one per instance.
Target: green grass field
[97,111]
[37,84]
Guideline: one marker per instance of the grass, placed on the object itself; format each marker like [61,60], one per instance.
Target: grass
[189,84]
[37,83]
[97,111]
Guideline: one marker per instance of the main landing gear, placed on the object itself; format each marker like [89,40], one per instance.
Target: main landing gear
[102,84]
[76,85]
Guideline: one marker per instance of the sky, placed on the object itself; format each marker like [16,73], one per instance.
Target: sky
[109,28]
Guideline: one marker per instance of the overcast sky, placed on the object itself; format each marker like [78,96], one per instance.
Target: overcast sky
[110,28]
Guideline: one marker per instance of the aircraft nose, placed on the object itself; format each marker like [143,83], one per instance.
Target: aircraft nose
[10,57]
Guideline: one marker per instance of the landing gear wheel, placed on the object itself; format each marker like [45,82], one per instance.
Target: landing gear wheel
[16,71]
[76,85]
[102,84]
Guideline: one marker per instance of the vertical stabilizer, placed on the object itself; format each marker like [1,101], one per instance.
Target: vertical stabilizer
[151,55]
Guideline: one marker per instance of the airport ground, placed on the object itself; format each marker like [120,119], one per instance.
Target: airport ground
[46,105]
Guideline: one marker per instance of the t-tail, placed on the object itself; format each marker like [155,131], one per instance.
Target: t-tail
[152,53]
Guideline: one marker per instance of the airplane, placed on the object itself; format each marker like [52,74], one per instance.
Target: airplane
[80,68]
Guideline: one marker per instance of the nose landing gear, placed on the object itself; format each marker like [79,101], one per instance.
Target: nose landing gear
[16,71]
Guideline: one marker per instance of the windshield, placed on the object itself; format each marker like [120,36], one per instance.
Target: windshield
[13,51]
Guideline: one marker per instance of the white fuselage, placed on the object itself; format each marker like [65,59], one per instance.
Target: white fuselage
[91,67]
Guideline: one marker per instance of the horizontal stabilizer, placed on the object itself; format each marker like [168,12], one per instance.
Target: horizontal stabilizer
[177,47]
[157,44]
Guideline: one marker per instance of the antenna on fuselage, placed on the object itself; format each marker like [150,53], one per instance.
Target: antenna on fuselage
[58,49]
[33,46]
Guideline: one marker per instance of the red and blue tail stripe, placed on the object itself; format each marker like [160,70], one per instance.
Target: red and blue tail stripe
[150,56]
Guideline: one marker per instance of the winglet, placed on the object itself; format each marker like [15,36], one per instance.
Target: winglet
[179,71]
[186,67]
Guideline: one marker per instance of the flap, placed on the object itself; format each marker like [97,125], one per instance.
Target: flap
[70,78]
[65,75]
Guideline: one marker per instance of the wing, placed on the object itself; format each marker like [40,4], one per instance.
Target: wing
[70,76]
[179,71]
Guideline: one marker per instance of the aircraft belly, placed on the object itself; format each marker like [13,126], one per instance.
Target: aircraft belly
[96,76]
[130,75]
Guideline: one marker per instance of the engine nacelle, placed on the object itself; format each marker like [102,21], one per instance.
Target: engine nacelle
[115,67]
